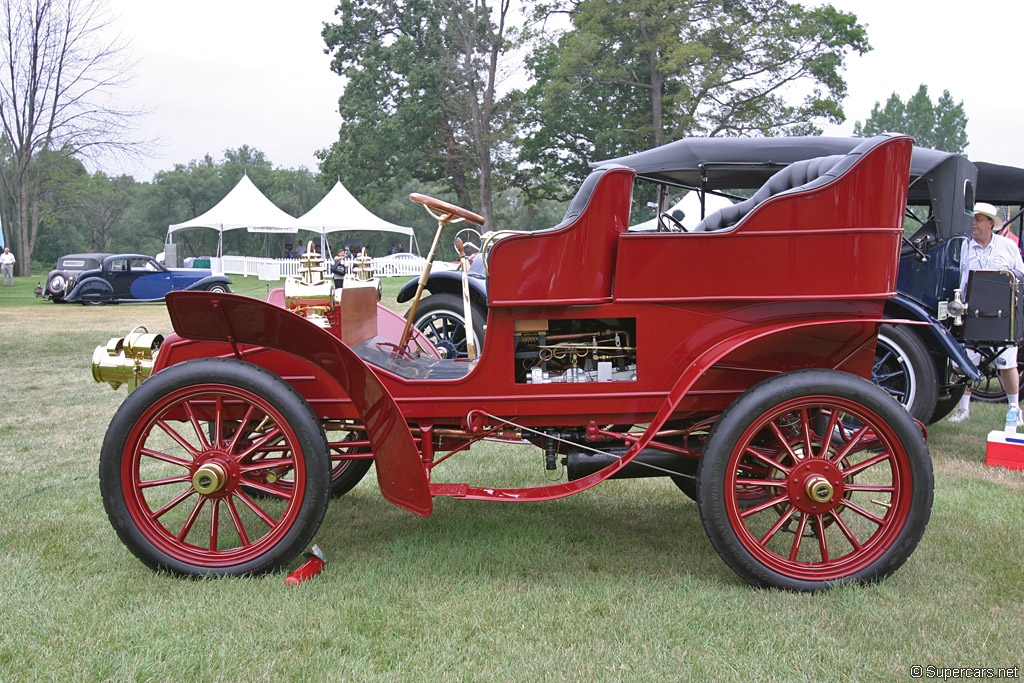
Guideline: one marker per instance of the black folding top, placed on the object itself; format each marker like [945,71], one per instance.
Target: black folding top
[738,163]
[999,184]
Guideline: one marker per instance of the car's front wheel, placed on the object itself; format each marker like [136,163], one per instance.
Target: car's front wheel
[441,319]
[219,289]
[186,455]
[904,369]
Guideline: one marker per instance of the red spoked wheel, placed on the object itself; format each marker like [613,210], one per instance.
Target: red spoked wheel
[351,458]
[847,478]
[347,471]
[215,466]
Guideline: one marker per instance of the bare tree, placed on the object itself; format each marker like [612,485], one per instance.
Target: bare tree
[61,64]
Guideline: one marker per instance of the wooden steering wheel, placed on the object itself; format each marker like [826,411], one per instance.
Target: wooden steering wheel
[445,212]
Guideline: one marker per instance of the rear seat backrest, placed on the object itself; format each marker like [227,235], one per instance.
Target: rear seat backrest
[797,177]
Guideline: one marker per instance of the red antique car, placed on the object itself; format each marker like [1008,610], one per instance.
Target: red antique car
[733,361]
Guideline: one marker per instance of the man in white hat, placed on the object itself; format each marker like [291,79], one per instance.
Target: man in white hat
[989,251]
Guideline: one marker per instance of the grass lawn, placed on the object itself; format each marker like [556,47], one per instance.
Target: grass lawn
[618,582]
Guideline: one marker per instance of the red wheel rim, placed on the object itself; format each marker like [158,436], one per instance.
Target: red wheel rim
[191,494]
[352,443]
[342,452]
[839,488]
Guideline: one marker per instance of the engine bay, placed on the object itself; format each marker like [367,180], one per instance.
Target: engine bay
[575,351]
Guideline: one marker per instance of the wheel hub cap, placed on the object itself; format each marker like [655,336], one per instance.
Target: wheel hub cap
[209,478]
[816,486]
[819,489]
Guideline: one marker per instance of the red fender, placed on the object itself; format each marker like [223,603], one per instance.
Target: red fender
[683,385]
[206,316]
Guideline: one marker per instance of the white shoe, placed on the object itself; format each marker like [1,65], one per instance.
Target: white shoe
[959,415]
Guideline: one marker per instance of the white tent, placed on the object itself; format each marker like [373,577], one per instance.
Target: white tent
[244,207]
[340,211]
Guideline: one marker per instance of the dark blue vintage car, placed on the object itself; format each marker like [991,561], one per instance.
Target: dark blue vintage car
[136,277]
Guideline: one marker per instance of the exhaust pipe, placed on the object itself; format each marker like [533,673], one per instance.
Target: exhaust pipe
[126,360]
[579,463]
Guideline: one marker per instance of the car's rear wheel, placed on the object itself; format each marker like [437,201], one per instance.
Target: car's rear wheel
[847,475]
[944,406]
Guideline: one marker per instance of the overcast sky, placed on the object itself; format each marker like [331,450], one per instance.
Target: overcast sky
[218,74]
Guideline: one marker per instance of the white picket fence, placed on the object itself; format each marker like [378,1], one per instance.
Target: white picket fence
[267,268]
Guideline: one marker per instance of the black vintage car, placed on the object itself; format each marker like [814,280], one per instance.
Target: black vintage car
[137,277]
[68,268]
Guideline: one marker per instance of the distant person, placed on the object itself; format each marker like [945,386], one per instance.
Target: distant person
[989,251]
[288,251]
[300,250]
[338,268]
[7,262]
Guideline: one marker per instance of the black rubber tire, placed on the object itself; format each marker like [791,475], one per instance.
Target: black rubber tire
[440,317]
[310,446]
[904,369]
[728,433]
[944,406]
[219,289]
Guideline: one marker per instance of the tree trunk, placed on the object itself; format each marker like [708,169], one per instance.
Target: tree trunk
[657,103]
[462,192]
[25,257]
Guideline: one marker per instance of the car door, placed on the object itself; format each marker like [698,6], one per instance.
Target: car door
[150,280]
[118,274]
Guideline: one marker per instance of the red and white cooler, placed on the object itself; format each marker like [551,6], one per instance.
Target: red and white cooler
[1005,450]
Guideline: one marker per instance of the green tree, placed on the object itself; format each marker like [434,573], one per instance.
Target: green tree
[634,74]
[421,100]
[942,125]
[62,227]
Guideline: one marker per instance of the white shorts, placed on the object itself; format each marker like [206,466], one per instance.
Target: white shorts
[1006,359]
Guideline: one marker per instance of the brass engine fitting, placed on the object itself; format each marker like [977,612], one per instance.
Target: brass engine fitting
[126,360]
[312,295]
[362,274]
